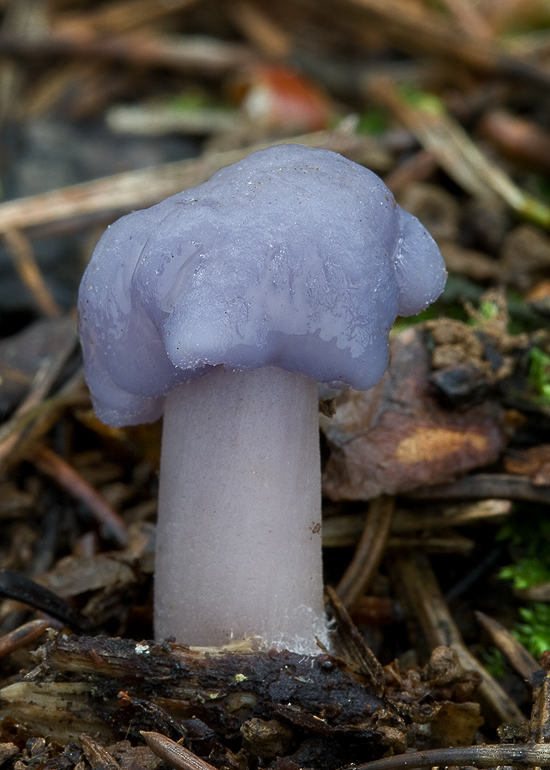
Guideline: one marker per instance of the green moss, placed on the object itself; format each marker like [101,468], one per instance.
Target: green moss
[189,101]
[525,573]
[539,375]
[373,122]
[528,530]
[493,660]
[422,100]
[488,310]
[534,632]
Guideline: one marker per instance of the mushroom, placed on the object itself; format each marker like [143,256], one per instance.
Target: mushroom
[224,305]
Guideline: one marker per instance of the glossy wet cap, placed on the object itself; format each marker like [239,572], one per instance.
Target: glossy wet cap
[295,257]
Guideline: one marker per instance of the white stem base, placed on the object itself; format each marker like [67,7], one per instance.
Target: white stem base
[239,531]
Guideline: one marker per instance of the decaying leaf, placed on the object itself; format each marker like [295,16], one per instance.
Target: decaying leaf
[397,436]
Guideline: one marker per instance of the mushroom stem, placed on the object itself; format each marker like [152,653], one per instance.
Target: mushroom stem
[239,528]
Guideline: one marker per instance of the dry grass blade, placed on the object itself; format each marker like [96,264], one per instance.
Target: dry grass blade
[424,596]
[137,189]
[446,542]
[120,16]
[369,552]
[346,531]
[519,658]
[43,414]
[415,28]
[69,479]
[196,54]
[469,20]
[21,252]
[155,121]
[42,383]
[351,646]
[262,31]
[440,133]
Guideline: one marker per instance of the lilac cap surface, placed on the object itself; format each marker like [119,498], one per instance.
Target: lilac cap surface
[295,257]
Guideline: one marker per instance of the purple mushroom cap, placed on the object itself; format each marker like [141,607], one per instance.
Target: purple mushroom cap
[296,258]
[223,305]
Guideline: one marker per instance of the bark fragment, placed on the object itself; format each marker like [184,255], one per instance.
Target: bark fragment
[319,712]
